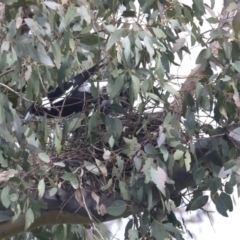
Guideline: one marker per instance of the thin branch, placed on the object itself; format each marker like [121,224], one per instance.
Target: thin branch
[10,89]
[85,205]
[6,72]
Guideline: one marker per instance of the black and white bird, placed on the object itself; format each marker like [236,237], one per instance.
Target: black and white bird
[71,99]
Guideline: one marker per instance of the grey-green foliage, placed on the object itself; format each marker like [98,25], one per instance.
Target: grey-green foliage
[43,43]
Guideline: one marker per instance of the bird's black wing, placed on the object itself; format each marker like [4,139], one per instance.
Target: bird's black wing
[79,80]
[75,102]
[58,92]
[85,75]
[65,100]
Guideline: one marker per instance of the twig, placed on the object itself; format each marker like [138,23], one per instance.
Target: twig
[10,89]
[85,205]
[6,72]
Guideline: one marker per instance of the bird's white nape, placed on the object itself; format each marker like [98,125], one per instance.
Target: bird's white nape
[28,116]
[86,87]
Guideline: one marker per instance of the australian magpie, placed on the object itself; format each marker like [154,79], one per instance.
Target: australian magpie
[71,99]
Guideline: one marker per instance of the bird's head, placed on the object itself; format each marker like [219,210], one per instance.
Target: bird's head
[30,113]
[38,110]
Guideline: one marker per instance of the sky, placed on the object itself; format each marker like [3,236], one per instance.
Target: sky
[216,227]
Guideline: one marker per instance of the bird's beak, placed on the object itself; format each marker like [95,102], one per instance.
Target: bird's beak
[28,116]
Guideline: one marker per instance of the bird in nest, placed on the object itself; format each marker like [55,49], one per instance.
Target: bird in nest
[72,98]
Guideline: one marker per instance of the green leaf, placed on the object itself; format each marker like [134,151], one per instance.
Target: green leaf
[2,60]
[221,207]
[71,12]
[114,127]
[118,167]
[58,138]
[226,78]
[178,154]
[57,54]
[127,228]
[9,2]
[90,39]
[149,45]
[29,218]
[150,150]
[200,10]
[231,6]
[158,231]
[159,177]
[92,168]
[199,174]
[28,73]
[11,31]
[127,49]
[111,141]
[159,33]
[44,58]
[4,133]
[229,164]
[33,53]
[101,167]
[118,109]
[108,185]
[93,122]
[117,86]
[199,203]
[153,96]
[229,188]
[227,201]
[212,20]
[135,86]
[217,34]
[170,89]
[35,28]
[5,46]
[129,13]
[74,123]
[117,208]
[115,37]
[53,191]
[84,12]
[44,157]
[132,234]
[236,65]
[71,177]
[53,5]
[187,161]
[235,23]
[161,139]
[5,197]
[123,190]
[170,228]
[14,197]
[41,188]
[204,55]
[165,154]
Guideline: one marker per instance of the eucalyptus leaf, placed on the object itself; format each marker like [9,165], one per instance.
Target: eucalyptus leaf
[41,188]
[44,58]
[115,37]
[199,202]
[117,208]
[44,157]
[29,218]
